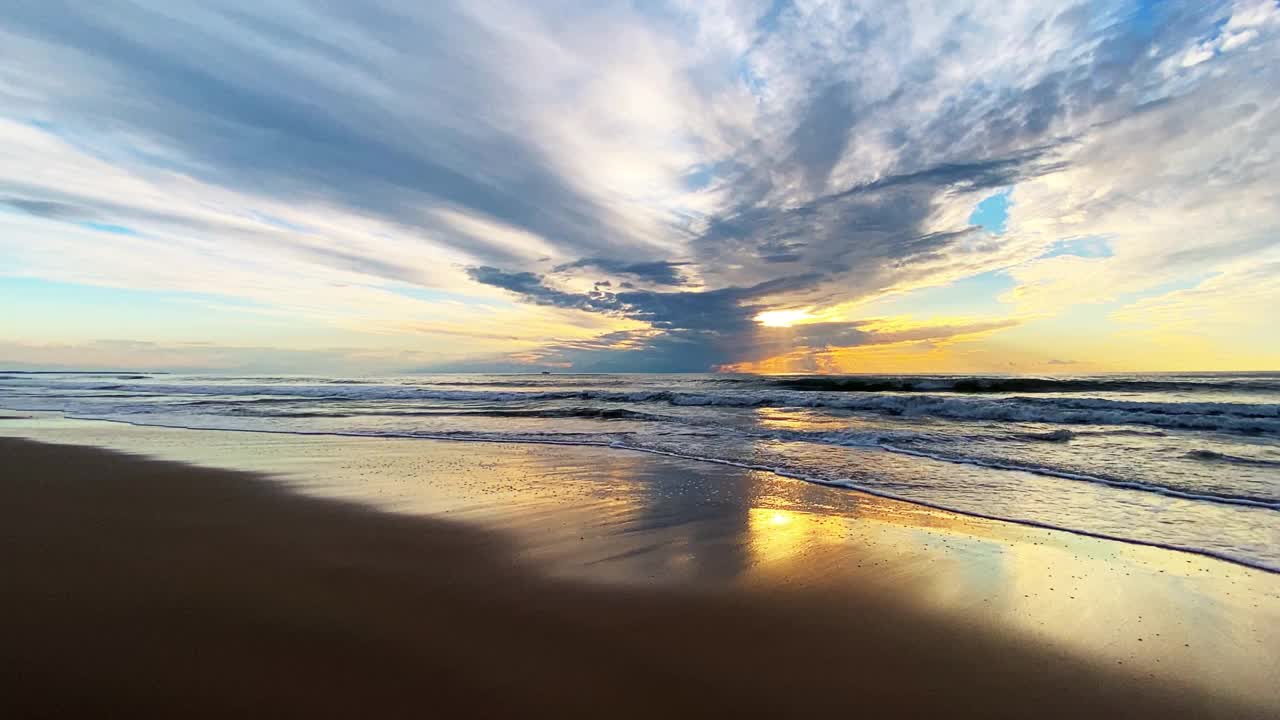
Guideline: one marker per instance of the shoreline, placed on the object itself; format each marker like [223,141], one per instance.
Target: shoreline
[143,586]
[636,525]
[845,486]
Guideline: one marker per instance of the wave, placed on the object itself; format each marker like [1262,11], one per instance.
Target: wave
[594,413]
[897,442]
[256,401]
[1247,418]
[1221,498]
[550,381]
[597,413]
[1122,432]
[1212,456]
[1231,417]
[1051,436]
[29,374]
[979,384]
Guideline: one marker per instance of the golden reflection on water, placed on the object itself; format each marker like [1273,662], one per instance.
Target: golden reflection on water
[785,419]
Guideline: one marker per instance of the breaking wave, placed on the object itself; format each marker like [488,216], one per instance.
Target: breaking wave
[1228,417]
[1213,456]
[1261,382]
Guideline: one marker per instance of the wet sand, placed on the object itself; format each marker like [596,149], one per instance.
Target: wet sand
[580,583]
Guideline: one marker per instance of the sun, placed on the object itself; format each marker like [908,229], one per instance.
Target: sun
[782,318]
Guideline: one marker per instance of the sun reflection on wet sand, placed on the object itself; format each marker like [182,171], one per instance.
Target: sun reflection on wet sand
[779,535]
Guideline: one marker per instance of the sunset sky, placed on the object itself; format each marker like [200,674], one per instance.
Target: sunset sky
[295,186]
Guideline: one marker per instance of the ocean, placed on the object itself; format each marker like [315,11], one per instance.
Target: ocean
[1184,461]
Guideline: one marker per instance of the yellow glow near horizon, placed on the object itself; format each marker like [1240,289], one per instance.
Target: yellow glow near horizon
[782,318]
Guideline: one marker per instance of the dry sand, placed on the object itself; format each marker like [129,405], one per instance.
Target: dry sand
[137,587]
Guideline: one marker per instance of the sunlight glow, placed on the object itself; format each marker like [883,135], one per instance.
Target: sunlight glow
[782,318]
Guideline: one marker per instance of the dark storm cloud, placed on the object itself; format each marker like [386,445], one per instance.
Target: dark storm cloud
[780,250]
[971,175]
[728,308]
[657,272]
[859,236]
[695,331]
[529,287]
[723,310]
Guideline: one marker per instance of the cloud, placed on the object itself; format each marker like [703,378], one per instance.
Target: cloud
[1179,188]
[652,176]
[696,331]
[656,272]
[728,308]
[288,127]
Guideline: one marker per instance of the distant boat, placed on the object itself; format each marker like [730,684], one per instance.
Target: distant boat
[546,372]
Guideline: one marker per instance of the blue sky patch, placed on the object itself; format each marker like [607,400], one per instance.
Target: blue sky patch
[992,213]
[699,177]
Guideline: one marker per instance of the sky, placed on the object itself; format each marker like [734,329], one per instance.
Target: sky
[389,186]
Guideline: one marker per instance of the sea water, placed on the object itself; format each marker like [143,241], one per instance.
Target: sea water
[1186,461]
